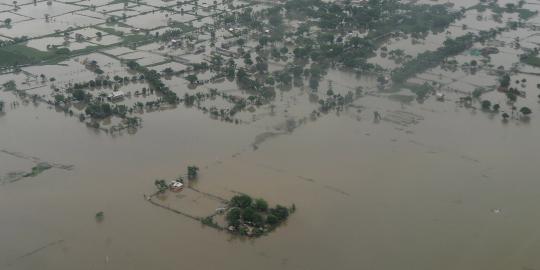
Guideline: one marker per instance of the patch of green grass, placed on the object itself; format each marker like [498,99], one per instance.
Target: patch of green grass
[110,31]
[39,168]
[421,90]
[526,14]
[134,38]
[402,98]
[18,54]
[531,60]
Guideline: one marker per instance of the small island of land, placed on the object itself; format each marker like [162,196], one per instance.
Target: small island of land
[241,215]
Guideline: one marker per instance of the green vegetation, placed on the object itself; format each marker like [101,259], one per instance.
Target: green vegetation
[486,105]
[18,54]
[532,60]
[134,38]
[477,92]
[241,201]
[421,90]
[191,78]
[99,110]
[523,13]
[179,29]
[253,217]
[154,80]
[525,111]
[161,185]
[193,172]
[39,168]
[505,80]
[260,205]
[109,30]
[431,59]
[9,85]
[100,216]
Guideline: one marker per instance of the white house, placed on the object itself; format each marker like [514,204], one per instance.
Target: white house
[116,95]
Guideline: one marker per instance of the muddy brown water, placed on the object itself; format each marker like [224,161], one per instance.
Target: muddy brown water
[457,190]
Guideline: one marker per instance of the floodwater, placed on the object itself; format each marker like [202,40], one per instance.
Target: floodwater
[433,185]
[370,195]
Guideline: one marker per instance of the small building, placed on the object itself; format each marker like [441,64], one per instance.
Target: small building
[176,43]
[116,95]
[176,186]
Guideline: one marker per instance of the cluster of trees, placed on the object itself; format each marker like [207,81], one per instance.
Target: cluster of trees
[379,16]
[487,106]
[246,211]
[106,81]
[15,40]
[179,30]
[327,48]
[505,81]
[7,22]
[9,85]
[335,101]
[161,185]
[100,110]
[523,13]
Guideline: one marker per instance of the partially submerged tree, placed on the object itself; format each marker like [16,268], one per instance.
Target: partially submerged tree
[192,78]
[100,216]
[505,80]
[161,185]
[193,172]
[241,201]
[525,111]
[260,205]
[486,105]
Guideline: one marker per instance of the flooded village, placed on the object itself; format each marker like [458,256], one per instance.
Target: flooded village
[292,134]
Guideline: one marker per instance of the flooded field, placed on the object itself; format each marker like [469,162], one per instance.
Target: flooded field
[396,158]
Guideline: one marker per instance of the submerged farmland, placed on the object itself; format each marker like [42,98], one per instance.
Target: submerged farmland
[368,134]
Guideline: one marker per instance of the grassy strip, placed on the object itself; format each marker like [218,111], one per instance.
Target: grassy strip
[39,168]
[430,59]
[109,30]
[531,60]
[19,54]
